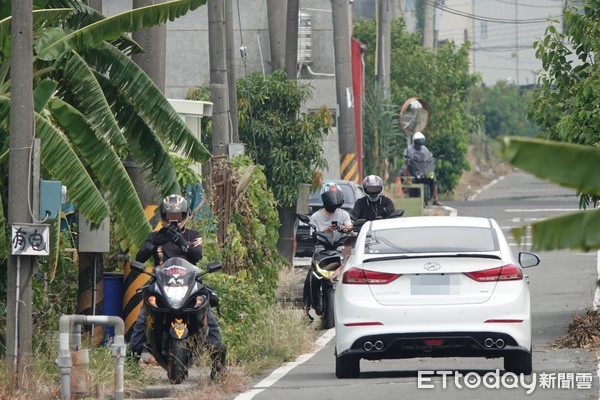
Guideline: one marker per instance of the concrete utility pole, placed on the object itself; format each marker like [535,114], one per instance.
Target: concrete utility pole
[277,10]
[343,85]
[20,268]
[428,25]
[218,77]
[152,61]
[291,39]
[231,79]
[95,4]
[385,10]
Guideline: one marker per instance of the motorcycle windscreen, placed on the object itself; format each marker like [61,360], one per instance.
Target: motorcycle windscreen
[176,280]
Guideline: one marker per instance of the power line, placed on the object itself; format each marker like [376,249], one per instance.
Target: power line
[489,19]
[512,3]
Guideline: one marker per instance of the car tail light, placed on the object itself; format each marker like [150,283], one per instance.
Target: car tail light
[358,276]
[507,272]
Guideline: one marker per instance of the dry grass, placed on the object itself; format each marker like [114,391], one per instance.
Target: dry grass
[583,332]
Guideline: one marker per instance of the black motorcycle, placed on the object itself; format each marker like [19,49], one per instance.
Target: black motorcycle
[326,258]
[176,303]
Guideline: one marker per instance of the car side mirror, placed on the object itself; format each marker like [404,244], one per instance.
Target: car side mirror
[528,260]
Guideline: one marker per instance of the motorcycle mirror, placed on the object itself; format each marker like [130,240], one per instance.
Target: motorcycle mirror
[138,266]
[414,114]
[396,214]
[214,266]
[304,218]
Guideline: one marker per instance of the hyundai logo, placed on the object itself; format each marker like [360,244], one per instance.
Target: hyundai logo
[432,266]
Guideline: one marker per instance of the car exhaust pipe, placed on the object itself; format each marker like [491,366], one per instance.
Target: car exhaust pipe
[368,346]
[500,343]
[378,345]
[489,342]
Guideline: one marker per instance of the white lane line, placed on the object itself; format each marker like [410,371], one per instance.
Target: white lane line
[283,370]
[489,185]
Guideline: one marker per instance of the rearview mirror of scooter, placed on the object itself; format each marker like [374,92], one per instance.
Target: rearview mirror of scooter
[138,267]
[396,214]
[214,267]
[304,218]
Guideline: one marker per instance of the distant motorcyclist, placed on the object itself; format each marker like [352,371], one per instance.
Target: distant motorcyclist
[175,240]
[420,164]
[375,204]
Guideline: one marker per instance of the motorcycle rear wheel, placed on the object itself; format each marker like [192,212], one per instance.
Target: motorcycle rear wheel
[178,361]
[328,319]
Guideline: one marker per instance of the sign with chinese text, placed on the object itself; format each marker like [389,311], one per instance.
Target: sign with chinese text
[30,239]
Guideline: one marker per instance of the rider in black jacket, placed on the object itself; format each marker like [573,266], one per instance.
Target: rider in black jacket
[374,205]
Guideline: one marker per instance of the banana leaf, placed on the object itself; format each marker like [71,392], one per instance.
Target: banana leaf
[570,165]
[111,28]
[106,166]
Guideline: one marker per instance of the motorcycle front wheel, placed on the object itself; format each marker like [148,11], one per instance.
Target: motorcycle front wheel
[328,318]
[178,361]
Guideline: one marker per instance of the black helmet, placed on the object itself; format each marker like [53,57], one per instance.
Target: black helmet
[332,197]
[373,186]
[174,208]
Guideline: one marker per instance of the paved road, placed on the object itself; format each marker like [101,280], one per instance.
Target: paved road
[562,285]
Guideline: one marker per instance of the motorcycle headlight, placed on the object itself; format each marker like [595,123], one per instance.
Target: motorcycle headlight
[175,295]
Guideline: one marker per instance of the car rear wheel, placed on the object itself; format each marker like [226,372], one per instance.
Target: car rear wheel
[519,363]
[347,367]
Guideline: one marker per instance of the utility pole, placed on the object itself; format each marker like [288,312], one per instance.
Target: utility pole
[95,4]
[152,61]
[231,78]
[277,10]
[384,43]
[218,77]
[20,268]
[344,91]
[428,25]
[291,39]
[287,215]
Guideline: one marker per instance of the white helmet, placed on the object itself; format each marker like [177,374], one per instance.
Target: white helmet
[418,138]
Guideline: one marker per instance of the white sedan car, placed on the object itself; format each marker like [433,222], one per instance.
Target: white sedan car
[433,287]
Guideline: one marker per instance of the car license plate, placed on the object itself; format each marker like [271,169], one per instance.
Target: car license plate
[434,284]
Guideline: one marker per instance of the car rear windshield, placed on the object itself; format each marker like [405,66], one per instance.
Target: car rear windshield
[431,240]
[315,197]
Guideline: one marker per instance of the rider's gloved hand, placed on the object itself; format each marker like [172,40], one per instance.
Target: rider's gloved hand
[178,238]
[161,237]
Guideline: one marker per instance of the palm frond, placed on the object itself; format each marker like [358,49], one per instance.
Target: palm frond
[111,28]
[571,165]
[147,149]
[577,230]
[81,83]
[41,18]
[149,103]
[106,166]
[42,93]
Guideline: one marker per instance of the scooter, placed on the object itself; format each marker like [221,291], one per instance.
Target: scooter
[326,258]
[176,303]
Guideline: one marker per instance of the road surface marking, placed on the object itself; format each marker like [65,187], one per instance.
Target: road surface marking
[281,371]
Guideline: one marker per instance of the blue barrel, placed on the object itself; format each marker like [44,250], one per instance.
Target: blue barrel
[113,298]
